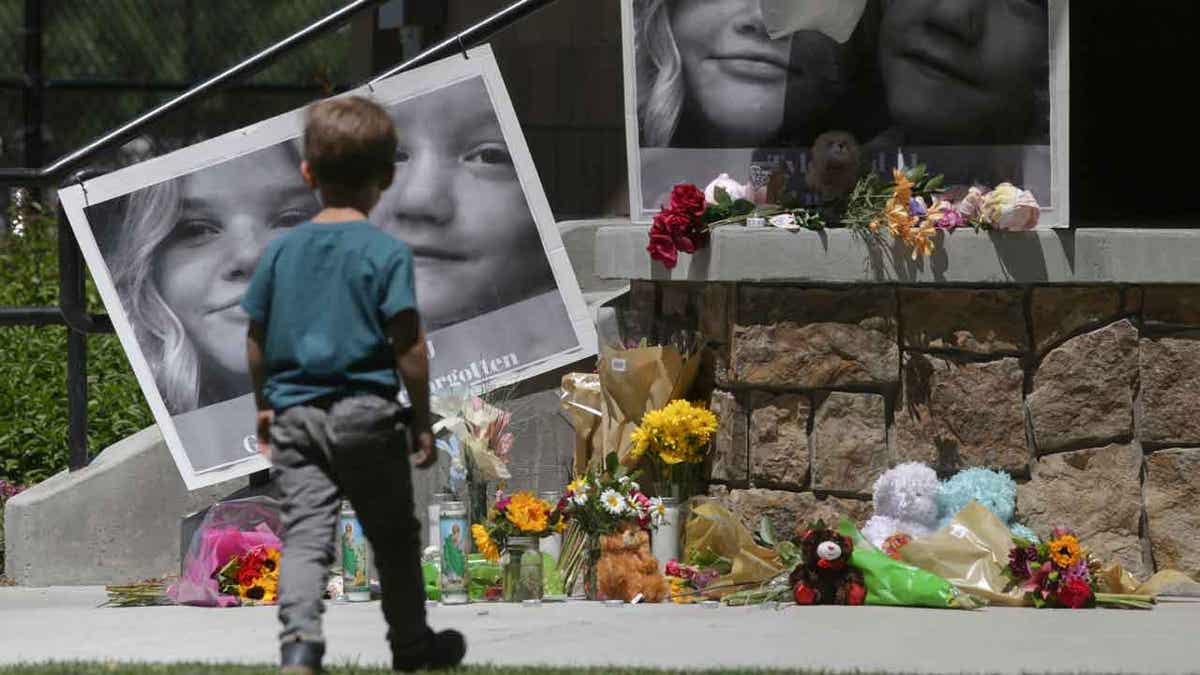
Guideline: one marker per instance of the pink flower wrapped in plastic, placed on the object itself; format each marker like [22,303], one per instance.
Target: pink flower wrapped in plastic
[230,528]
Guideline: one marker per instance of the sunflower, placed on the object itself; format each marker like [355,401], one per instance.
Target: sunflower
[1064,550]
[528,513]
[271,563]
[483,542]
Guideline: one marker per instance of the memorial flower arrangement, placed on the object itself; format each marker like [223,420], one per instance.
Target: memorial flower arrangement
[1060,573]
[522,514]
[596,504]
[473,432]
[675,440]
[685,223]
[252,577]
[912,208]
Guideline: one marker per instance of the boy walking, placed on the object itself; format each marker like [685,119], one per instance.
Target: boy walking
[333,318]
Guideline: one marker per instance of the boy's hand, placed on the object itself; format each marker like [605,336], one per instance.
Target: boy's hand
[265,417]
[424,451]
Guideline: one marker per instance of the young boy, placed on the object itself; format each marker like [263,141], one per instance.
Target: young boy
[332,319]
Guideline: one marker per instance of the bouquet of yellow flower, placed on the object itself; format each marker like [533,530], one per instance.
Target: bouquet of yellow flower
[519,515]
[675,441]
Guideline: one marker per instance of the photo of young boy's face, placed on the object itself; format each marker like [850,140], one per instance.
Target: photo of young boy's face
[457,202]
[226,217]
[965,72]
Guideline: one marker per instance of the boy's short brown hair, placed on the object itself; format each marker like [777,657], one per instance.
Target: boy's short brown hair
[349,142]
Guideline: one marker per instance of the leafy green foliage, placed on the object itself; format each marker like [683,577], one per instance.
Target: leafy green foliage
[33,366]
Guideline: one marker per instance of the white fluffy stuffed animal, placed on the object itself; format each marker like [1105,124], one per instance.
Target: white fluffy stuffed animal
[905,499]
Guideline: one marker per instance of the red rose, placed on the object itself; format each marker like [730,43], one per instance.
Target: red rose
[687,198]
[662,249]
[670,233]
[1075,594]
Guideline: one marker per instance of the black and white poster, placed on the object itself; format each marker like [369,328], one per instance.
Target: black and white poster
[172,242]
[977,90]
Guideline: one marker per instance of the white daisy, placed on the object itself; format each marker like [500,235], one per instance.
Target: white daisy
[658,511]
[580,498]
[613,502]
[635,487]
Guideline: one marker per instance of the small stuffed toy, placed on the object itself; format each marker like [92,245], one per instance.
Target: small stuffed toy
[626,568]
[996,490]
[834,166]
[905,499]
[824,576]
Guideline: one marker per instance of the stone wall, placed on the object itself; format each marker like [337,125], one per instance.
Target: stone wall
[1088,395]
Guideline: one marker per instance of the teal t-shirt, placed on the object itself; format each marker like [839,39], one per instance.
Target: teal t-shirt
[325,292]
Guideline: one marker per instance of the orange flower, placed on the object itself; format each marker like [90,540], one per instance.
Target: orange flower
[903,189]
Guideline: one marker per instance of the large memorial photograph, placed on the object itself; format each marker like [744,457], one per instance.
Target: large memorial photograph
[172,243]
[977,91]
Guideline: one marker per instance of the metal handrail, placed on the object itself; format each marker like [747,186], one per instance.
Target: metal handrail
[72,309]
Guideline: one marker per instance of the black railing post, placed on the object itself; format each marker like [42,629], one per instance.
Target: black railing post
[72,300]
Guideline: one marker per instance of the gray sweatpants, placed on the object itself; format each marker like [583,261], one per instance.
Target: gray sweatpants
[355,448]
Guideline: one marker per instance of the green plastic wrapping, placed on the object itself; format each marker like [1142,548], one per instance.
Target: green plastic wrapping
[485,575]
[891,582]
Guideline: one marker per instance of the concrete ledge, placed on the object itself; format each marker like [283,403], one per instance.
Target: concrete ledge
[116,521]
[1084,256]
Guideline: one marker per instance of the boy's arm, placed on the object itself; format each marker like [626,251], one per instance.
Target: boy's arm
[412,361]
[255,337]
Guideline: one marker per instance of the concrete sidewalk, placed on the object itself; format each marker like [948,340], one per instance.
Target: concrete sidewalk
[66,624]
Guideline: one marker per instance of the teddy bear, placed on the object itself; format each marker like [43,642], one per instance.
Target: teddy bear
[906,503]
[626,567]
[835,165]
[995,490]
[824,576]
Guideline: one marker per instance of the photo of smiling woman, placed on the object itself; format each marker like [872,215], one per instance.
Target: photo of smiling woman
[181,253]
[720,86]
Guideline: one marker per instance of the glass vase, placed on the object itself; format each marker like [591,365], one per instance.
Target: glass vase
[521,569]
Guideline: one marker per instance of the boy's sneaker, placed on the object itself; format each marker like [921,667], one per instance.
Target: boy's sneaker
[301,658]
[442,650]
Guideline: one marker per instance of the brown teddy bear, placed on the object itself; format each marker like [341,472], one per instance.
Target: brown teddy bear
[835,165]
[626,567]
[824,577]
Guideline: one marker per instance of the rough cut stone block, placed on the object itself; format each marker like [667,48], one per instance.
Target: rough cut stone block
[1083,391]
[977,321]
[1170,386]
[849,442]
[811,338]
[913,433]
[1095,492]
[790,511]
[731,459]
[779,440]
[962,414]
[1132,300]
[1171,305]
[1172,493]
[713,306]
[1059,312]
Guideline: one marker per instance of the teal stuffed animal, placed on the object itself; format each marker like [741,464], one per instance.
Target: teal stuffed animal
[996,490]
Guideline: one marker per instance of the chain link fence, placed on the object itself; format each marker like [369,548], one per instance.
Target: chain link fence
[102,62]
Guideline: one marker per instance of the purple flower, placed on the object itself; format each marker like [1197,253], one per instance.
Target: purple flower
[1019,560]
[703,579]
[1077,571]
[916,207]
